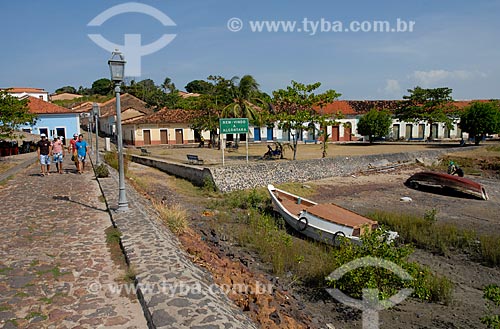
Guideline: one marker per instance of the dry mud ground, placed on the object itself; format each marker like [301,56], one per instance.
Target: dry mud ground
[382,191]
[363,194]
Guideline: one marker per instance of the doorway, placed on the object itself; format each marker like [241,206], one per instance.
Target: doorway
[147,137]
[163,136]
[179,137]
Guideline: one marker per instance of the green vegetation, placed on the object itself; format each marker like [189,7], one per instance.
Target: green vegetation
[32,315]
[294,108]
[101,171]
[113,235]
[428,105]
[375,124]
[443,238]
[111,159]
[173,216]
[252,225]
[492,295]
[480,119]
[14,112]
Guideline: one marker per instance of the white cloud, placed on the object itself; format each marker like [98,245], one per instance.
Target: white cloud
[433,77]
[392,86]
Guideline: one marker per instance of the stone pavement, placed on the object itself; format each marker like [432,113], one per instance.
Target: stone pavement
[56,270]
[53,255]
[175,292]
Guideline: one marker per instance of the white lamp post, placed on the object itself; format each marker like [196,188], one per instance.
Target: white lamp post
[95,111]
[117,68]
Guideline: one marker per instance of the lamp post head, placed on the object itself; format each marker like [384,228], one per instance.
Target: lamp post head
[95,109]
[117,66]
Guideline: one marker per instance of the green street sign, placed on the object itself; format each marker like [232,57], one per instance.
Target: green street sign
[233,126]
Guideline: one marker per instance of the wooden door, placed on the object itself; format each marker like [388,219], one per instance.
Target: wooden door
[147,137]
[179,138]
[409,131]
[164,136]
[335,133]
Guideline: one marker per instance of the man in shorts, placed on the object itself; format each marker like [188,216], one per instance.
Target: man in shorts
[81,149]
[73,151]
[58,153]
[44,152]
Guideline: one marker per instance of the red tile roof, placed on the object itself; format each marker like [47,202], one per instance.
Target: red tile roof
[38,106]
[166,116]
[25,90]
[127,101]
[350,107]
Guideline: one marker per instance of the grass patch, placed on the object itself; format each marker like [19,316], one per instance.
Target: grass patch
[55,271]
[174,217]
[5,270]
[245,217]
[111,159]
[21,294]
[426,233]
[32,315]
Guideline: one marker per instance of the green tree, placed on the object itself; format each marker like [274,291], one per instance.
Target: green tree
[13,113]
[428,105]
[66,89]
[480,119]
[295,105]
[199,87]
[243,93]
[375,124]
[102,86]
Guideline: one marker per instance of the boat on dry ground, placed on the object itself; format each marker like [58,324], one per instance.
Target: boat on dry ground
[445,181]
[324,222]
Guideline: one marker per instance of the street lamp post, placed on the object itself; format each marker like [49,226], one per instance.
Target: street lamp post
[95,111]
[91,122]
[117,68]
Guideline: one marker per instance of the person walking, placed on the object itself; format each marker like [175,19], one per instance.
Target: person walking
[82,149]
[73,151]
[44,152]
[58,153]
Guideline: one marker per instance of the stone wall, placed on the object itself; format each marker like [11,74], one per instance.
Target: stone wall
[238,177]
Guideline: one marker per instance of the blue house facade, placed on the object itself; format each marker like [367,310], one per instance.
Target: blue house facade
[53,120]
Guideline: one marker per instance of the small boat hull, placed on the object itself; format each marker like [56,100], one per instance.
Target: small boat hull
[442,180]
[327,223]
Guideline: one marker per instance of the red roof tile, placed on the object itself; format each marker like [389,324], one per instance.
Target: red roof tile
[166,116]
[38,106]
[25,90]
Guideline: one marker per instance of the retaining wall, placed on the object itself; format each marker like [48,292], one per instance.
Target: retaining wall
[238,177]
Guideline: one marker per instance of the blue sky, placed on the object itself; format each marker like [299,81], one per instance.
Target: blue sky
[454,43]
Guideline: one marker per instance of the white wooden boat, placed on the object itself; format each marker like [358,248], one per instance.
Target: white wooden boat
[325,222]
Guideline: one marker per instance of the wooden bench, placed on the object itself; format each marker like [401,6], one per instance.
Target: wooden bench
[194,159]
[144,151]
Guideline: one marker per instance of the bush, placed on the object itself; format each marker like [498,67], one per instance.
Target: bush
[492,295]
[101,171]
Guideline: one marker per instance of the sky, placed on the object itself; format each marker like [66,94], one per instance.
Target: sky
[451,43]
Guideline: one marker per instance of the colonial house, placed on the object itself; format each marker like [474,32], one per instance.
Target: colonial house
[21,92]
[161,128]
[347,114]
[52,120]
[131,107]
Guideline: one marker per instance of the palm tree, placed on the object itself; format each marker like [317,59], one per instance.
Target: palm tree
[244,92]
